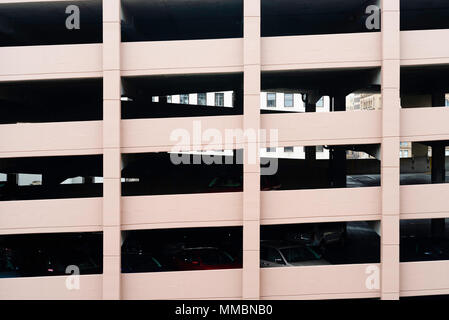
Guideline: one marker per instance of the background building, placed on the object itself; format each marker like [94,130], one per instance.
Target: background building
[91,114]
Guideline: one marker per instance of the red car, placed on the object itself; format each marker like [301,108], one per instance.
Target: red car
[204,258]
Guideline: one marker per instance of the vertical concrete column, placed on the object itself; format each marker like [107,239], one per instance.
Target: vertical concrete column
[390,149]
[439,98]
[310,151]
[339,102]
[111,149]
[12,179]
[310,107]
[438,166]
[438,162]
[438,148]
[251,168]
[338,167]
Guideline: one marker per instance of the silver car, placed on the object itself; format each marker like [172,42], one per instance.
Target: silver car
[283,254]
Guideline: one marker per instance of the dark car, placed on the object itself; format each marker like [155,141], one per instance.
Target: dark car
[318,234]
[205,258]
[139,256]
[423,249]
[51,256]
[235,184]
[47,261]
[9,267]
[225,184]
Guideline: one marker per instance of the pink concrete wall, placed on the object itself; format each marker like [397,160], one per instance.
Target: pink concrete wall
[187,210]
[211,55]
[424,278]
[34,216]
[44,137]
[415,124]
[137,138]
[46,62]
[420,47]
[325,128]
[50,288]
[320,205]
[340,50]
[212,284]
[424,201]
[321,282]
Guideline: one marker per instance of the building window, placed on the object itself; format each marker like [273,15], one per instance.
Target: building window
[219,99]
[271,149]
[319,148]
[155,99]
[202,99]
[288,100]
[271,100]
[169,99]
[288,149]
[184,99]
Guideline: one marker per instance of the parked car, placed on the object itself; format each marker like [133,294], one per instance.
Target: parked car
[47,261]
[205,258]
[47,256]
[319,234]
[235,184]
[138,256]
[283,254]
[423,249]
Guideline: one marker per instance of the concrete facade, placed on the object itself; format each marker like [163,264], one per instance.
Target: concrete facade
[389,50]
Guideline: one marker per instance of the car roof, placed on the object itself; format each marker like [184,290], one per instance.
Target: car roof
[281,244]
[199,248]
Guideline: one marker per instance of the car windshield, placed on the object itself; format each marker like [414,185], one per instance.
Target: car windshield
[298,254]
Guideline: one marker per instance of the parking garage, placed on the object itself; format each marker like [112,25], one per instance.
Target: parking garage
[147,94]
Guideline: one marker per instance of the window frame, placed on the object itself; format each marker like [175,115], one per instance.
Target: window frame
[268,99]
[217,95]
[292,100]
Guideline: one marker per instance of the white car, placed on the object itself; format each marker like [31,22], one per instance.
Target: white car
[284,254]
